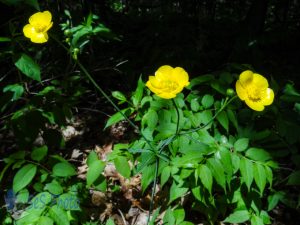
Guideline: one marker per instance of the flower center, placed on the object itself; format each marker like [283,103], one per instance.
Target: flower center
[169,85]
[40,28]
[254,94]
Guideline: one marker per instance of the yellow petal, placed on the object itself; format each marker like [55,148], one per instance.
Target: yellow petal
[246,78]
[29,31]
[153,88]
[259,81]
[257,106]
[166,95]
[241,92]
[154,82]
[39,38]
[268,97]
[180,76]
[41,19]
[164,72]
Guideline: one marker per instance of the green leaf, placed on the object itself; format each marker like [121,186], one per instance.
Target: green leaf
[94,171]
[110,222]
[138,94]
[122,166]
[176,192]
[195,104]
[59,215]
[54,187]
[24,176]
[232,117]
[223,120]
[68,201]
[241,144]
[207,101]
[17,89]
[205,177]
[239,216]
[63,169]
[147,176]
[92,157]
[294,178]
[45,220]
[39,153]
[200,80]
[165,175]
[179,215]
[117,117]
[246,168]
[258,154]
[217,171]
[119,95]
[169,217]
[151,119]
[260,177]
[256,220]
[23,196]
[274,199]
[29,67]
[5,39]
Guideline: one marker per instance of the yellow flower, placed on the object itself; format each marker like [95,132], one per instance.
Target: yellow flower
[39,24]
[168,81]
[254,89]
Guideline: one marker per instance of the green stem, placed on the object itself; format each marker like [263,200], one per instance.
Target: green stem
[153,190]
[212,119]
[177,111]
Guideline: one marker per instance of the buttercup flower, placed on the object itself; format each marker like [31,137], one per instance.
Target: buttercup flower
[39,24]
[168,81]
[254,89]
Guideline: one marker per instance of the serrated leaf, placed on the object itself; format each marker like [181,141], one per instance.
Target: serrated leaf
[223,120]
[29,67]
[122,166]
[260,176]
[176,192]
[24,176]
[148,174]
[150,118]
[94,171]
[217,171]
[165,175]
[39,153]
[205,177]
[59,215]
[239,216]
[258,154]
[246,168]
[241,144]
[63,169]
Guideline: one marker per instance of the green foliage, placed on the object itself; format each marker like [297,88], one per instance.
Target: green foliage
[205,157]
